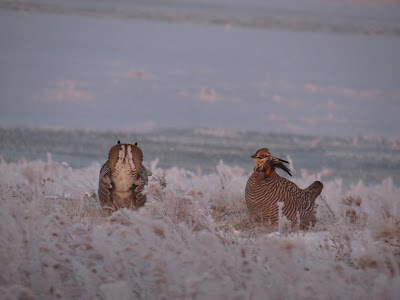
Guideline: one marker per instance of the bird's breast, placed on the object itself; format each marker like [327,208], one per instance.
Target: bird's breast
[123,178]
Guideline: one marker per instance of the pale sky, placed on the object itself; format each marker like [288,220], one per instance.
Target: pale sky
[106,73]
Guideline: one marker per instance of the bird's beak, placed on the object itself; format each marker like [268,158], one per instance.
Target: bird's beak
[253,156]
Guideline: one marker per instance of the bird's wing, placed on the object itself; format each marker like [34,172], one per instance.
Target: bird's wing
[139,198]
[105,185]
[143,173]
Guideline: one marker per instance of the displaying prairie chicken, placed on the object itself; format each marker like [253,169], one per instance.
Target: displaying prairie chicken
[265,188]
[122,178]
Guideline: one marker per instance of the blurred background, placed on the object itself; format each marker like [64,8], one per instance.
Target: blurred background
[197,81]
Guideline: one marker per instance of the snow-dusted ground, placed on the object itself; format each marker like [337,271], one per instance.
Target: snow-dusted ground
[192,240]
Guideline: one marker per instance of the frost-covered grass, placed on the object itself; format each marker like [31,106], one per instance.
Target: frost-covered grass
[193,240]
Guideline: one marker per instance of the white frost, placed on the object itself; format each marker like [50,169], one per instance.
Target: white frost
[193,239]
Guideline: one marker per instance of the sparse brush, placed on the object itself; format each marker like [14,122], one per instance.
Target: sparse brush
[341,244]
[324,214]
[388,230]
[352,201]
[353,214]
[192,239]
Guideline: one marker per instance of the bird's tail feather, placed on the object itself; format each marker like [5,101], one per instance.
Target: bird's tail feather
[315,189]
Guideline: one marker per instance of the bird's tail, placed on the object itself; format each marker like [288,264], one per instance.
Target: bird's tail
[315,189]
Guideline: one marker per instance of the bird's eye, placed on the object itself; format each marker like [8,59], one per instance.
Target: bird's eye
[262,156]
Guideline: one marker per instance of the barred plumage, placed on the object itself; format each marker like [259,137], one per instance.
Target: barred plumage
[122,178]
[265,188]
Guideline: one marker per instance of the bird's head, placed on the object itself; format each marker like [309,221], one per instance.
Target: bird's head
[125,153]
[261,158]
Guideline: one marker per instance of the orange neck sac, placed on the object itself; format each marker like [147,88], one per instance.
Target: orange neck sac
[268,171]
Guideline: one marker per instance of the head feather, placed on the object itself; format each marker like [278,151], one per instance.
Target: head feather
[116,152]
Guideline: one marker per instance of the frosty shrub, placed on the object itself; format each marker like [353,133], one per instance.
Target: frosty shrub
[194,239]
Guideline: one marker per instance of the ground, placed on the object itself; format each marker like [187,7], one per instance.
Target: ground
[194,239]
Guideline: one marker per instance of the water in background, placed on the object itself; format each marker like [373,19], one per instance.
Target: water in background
[304,67]
[370,159]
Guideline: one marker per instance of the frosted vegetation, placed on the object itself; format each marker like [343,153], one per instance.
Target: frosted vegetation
[193,239]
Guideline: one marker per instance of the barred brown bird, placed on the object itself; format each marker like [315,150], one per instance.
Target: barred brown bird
[265,188]
[122,178]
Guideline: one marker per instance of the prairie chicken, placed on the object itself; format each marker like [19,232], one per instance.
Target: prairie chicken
[265,188]
[122,178]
